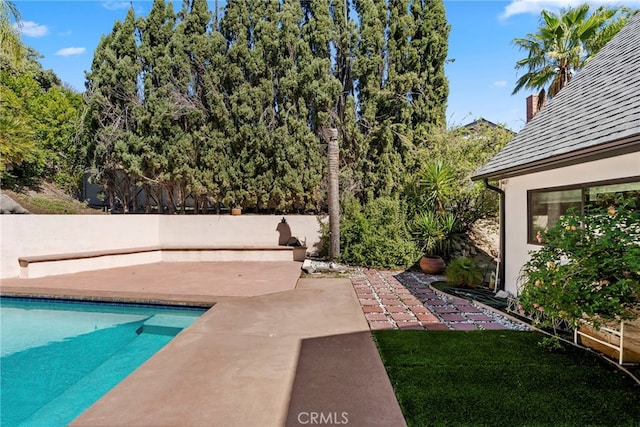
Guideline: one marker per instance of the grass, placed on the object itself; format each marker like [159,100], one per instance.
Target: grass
[503,378]
[47,206]
[50,202]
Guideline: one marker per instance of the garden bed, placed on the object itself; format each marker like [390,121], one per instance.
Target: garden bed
[484,295]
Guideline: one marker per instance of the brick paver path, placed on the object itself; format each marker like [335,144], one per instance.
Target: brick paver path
[404,300]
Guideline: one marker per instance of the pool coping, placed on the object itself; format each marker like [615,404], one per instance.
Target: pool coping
[48,295]
[250,359]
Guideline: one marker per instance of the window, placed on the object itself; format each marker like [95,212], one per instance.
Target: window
[603,196]
[547,206]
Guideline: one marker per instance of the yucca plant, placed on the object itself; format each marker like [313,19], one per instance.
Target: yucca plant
[437,231]
[437,182]
[436,227]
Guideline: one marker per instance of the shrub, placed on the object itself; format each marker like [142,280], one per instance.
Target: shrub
[589,269]
[551,344]
[451,156]
[464,271]
[375,234]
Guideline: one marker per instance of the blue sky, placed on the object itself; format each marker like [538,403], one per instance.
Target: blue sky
[481,77]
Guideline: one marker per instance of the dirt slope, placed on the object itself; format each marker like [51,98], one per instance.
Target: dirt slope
[49,199]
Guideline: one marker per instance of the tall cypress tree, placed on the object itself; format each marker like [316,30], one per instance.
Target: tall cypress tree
[344,40]
[112,87]
[402,95]
[429,54]
[192,48]
[321,88]
[231,110]
[361,119]
[296,154]
[217,162]
[156,118]
[245,102]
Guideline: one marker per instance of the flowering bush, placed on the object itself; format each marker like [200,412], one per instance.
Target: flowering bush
[589,269]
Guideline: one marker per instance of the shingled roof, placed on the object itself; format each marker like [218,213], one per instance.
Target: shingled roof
[596,115]
[480,122]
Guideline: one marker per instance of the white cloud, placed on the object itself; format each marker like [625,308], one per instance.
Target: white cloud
[69,51]
[115,5]
[31,29]
[518,7]
[500,83]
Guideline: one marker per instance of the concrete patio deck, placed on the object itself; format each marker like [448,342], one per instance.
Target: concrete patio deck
[201,283]
[275,350]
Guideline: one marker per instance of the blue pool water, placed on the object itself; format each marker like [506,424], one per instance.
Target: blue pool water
[58,358]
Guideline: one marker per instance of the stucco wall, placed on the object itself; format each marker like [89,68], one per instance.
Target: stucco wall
[261,230]
[516,247]
[30,235]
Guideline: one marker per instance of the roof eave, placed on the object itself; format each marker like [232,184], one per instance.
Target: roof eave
[609,149]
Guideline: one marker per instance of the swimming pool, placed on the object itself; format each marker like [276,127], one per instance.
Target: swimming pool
[58,358]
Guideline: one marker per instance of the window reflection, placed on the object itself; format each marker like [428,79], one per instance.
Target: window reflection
[546,207]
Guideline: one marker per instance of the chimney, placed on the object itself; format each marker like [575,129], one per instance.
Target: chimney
[532,106]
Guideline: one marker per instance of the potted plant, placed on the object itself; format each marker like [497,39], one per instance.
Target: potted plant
[235,198]
[432,264]
[436,224]
[432,231]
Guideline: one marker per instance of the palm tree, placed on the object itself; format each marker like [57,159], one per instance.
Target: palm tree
[564,43]
[10,45]
[17,142]
[331,136]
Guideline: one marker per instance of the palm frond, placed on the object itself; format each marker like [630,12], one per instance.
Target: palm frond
[563,44]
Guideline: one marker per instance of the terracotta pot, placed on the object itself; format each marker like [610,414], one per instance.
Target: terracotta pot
[236,211]
[432,264]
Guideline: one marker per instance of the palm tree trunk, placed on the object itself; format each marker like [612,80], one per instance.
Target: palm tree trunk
[333,152]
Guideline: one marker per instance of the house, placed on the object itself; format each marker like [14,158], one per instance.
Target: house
[582,147]
[479,123]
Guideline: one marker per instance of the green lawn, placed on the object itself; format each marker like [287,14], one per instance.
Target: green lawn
[503,378]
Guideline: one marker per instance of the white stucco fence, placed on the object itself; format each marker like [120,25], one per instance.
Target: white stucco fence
[34,235]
